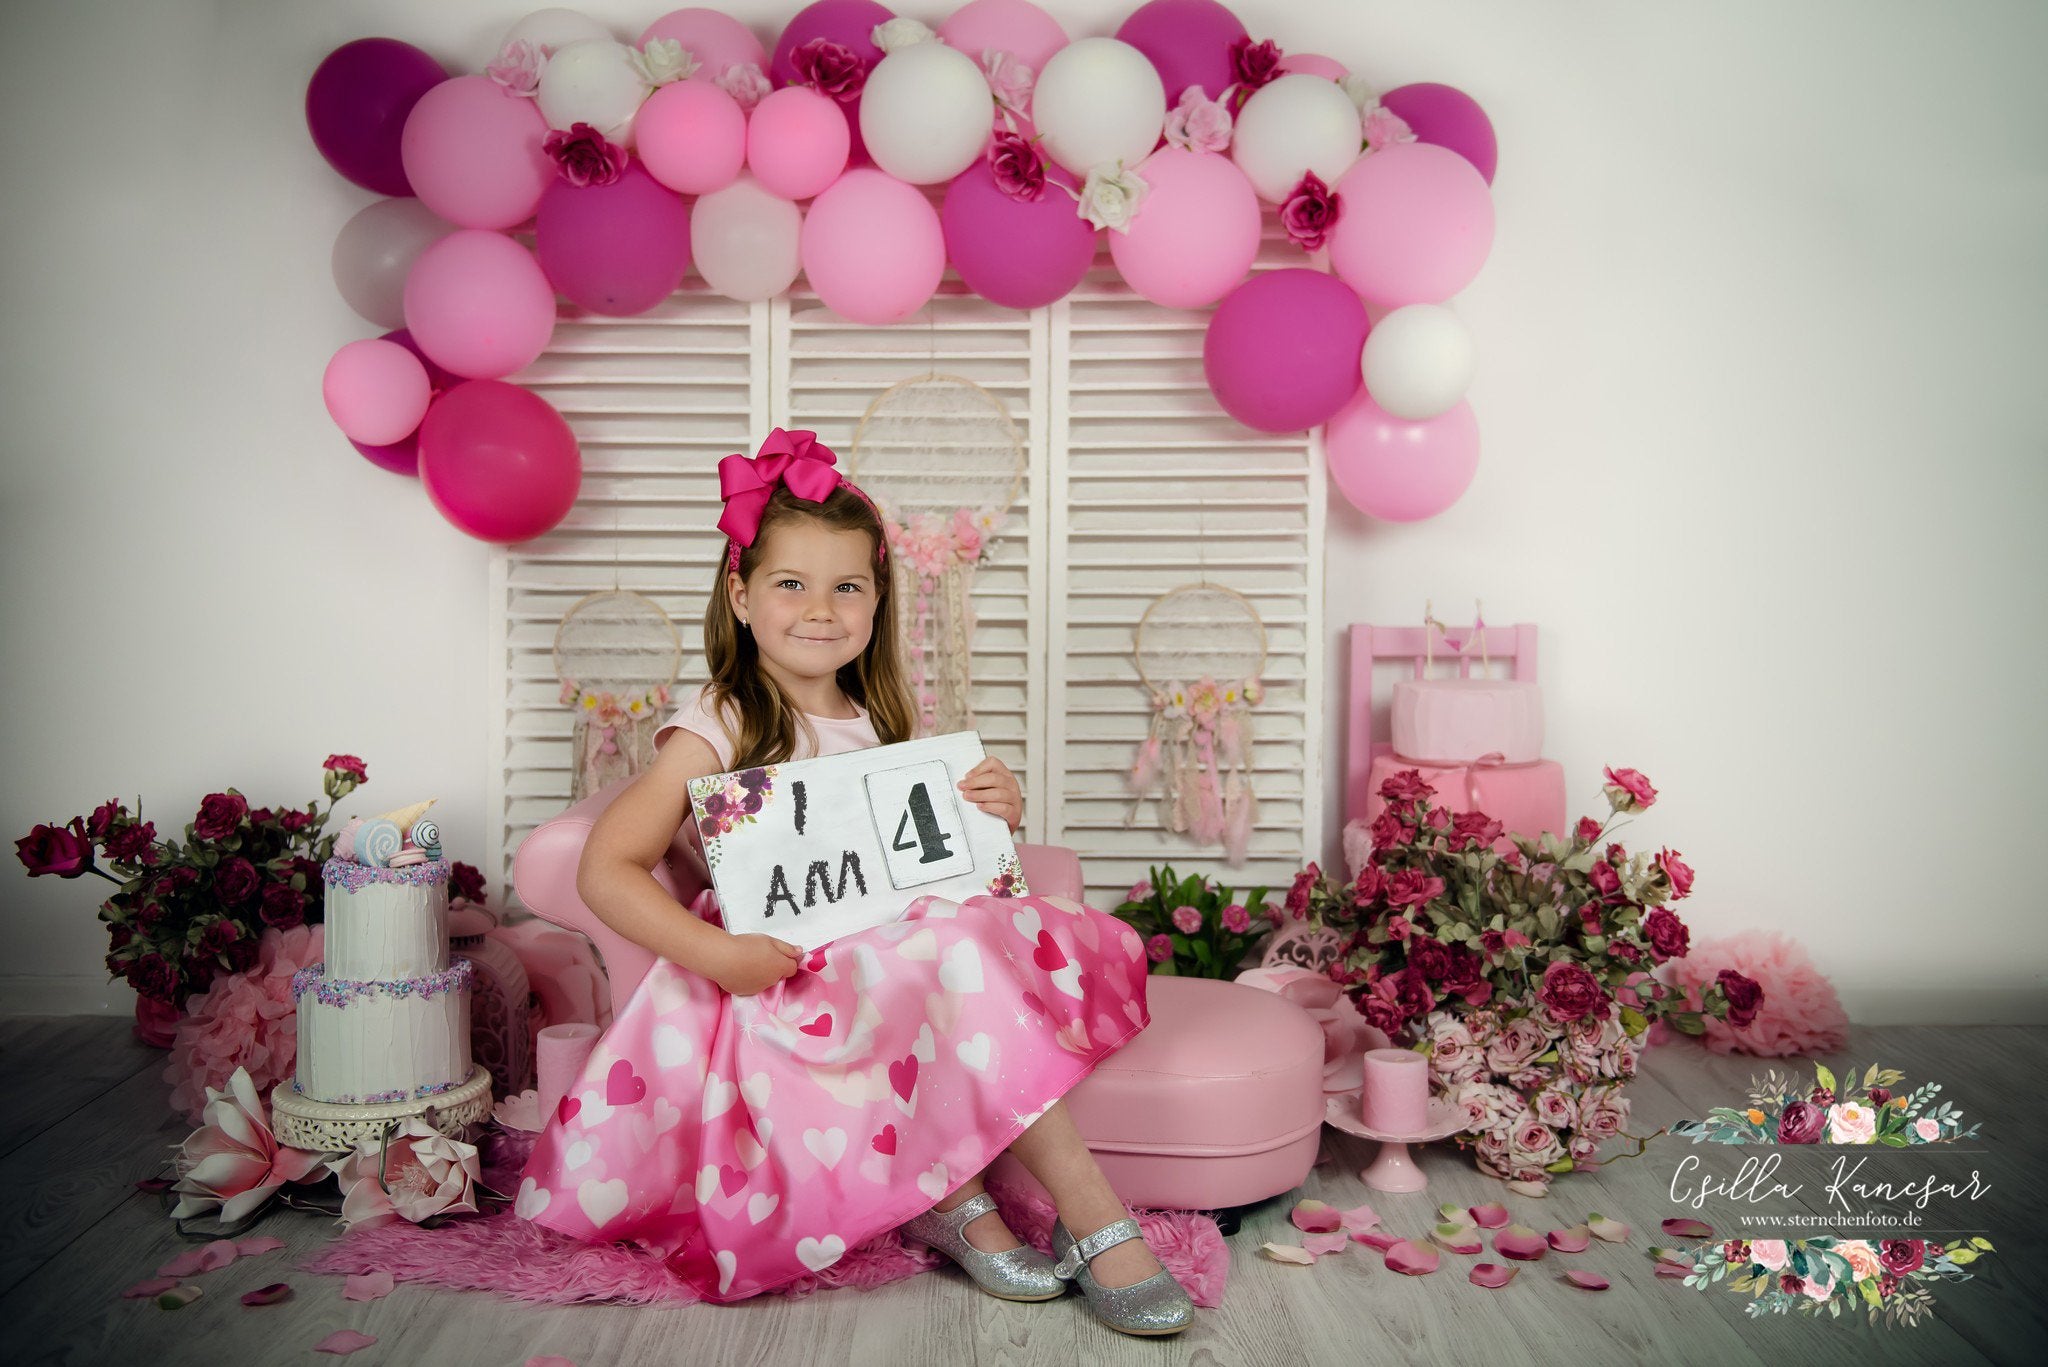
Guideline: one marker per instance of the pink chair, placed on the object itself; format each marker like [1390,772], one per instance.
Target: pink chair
[1217,1104]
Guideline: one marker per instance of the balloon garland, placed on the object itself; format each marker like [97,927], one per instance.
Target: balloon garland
[700,146]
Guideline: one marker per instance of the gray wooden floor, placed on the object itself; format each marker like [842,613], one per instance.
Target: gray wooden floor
[86,1116]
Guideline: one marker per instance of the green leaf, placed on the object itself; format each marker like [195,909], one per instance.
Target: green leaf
[1202,954]
[1822,1076]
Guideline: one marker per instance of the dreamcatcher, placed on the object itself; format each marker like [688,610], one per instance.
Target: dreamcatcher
[944,462]
[1200,650]
[616,652]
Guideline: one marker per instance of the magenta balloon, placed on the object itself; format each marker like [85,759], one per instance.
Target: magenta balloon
[716,40]
[1416,227]
[873,248]
[1448,117]
[1188,41]
[402,457]
[691,136]
[616,249]
[1312,64]
[479,304]
[1017,27]
[1396,470]
[1282,351]
[499,461]
[357,103]
[1022,254]
[798,142]
[849,23]
[1195,234]
[473,152]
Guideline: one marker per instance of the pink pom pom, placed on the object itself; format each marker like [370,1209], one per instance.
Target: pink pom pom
[1800,1013]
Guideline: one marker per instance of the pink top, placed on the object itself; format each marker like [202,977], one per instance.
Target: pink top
[835,735]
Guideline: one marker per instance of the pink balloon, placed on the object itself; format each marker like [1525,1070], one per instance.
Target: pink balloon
[616,249]
[479,304]
[1310,64]
[798,142]
[1396,470]
[473,153]
[716,40]
[1196,233]
[356,107]
[692,137]
[873,248]
[1188,41]
[1448,117]
[376,391]
[1017,27]
[849,23]
[1282,351]
[402,457]
[499,461]
[1022,254]
[1416,227]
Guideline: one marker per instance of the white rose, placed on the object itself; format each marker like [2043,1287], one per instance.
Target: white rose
[663,60]
[1360,90]
[744,82]
[901,33]
[1111,195]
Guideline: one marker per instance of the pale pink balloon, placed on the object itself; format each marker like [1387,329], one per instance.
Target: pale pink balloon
[479,305]
[1396,470]
[873,247]
[472,151]
[797,142]
[1196,233]
[692,137]
[716,40]
[376,391]
[1310,64]
[1416,227]
[1017,27]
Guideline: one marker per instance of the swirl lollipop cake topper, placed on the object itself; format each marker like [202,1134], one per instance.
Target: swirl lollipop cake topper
[398,838]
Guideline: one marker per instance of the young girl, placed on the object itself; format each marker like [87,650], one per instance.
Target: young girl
[756,1111]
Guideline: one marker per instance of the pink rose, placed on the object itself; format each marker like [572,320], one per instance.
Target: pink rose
[232,1162]
[1533,1144]
[831,68]
[1629,791]
[1309,213]
[1769,1254]
[1187,920]
[518,67]
[1009,80]
[1927,1128]
[1474,830]
[1675,872]
[1570,991]
[1604,879]
[1406,786]
[1863,1259]
[583,156]
[1412,888]
[1159,949]
[1381,127]
[63,850]
[1588,831]
[1388,830]
[1018,169]
[1850,1123]
[348,766]
[1602,1112]
[748,87]
[1555,1108]
[427,1174]
[1140,891]
[1518,1043]
[1236,919]
[1198,123]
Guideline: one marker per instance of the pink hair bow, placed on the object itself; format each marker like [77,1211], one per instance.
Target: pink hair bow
[795,459]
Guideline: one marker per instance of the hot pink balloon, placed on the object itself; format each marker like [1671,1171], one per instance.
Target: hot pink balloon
[1448,117]
[1188,41]
[1396,470]
[1310,64]
[1416,227]
[873,248]
[798,142]
[1282,351]
[402,457]
[356,108]
[616,249]
[1022,254]
[1017,27]
[472,150]
[376,391]
[692,137]
[716,40]
[479,304]
[1196,233]
[849,23]
[499,461]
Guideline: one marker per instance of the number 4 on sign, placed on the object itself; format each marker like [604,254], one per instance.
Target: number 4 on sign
[930,838]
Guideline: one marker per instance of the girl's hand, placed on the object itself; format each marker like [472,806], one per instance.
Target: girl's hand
[991,786]
[753,962]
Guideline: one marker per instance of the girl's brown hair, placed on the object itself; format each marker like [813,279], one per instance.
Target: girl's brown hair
[767,721]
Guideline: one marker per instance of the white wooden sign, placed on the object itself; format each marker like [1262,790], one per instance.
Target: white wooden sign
[815,849]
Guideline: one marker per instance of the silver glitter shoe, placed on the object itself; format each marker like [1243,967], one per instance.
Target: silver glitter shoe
[1154,1307]
[1015,1274]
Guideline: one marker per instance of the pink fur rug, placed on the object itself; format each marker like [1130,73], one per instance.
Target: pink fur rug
[1800,1013]
[513,1257]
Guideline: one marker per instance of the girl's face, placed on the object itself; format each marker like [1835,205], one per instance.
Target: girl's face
[809,602]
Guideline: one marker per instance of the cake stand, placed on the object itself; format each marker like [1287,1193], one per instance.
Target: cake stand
[1394,1170]
[329,1127]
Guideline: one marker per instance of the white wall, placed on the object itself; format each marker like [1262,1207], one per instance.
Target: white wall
[1760,352]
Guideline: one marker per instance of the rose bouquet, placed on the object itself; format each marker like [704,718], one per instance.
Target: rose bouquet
[1526,975]
[1192,927]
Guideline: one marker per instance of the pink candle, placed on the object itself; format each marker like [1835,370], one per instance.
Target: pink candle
[1396,1098]
[560,1053]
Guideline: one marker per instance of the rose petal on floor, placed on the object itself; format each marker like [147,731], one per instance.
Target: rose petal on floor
[1682,1228]
[1456,1238]
[143,1290]
[1359,1217]
[1377,1238]
[368,1286]
[1519,1242]
[178,1297]
[1573,1240]
[1493,1276]
[1320,1244]
[343,1342]
[1315,1217]
[1288,1253]
[1613,1231]
[1590,1281]
[249,1248]
[1489,1216]
[267,1295]
[1411,1259]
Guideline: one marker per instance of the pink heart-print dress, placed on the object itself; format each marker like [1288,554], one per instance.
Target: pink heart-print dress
[751,1140]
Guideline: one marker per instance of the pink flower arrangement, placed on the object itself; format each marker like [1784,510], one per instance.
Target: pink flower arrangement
[415,1174]
[233,1163]
[1198,123]
[244,1023]
[1310,213]
[518,67]
[583,156]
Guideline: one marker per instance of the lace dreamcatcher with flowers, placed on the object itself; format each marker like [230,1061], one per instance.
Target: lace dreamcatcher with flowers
[617,653]
[1200,650]
[941,458]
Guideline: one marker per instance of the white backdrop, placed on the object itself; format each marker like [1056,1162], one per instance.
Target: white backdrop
[1760,353]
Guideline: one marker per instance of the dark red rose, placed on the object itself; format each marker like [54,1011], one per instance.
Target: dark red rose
[119,935]
[63,850]
[1297,894]
[1900,1256]
[1625,951]
[243,953]
[1412,888]
[175,881]
[156,1023]
[294,820]
[216,938]
[103,819]
[1822,1097]
[1309,213]
[1383,1015]
[1018,169]
[1589,920]
[1494,943]
[715,804]
[149,914]
[1370,887]
[1462,973]
[1886,1284]
[1880,1095]
[348,766]
[1589,829]
[1736,1250]
[308,869]
[1388,830]
[1801,1123]
[236,881]
[1474,830]
[155,977]
[283,906]
[1605,880]
[466,883]
[1791,1284]
[1430,958]
[1744,996]
[1253,65]
[751,803]
[754,780]
[1570,991]
[200,970]
[1412,994]
[583,157]
[1406,786]
[831,68]
[261,816]
[219,815]
[1668,937]
[128,844]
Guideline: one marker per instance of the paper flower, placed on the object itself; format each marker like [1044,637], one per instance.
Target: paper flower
[662,60]
[901,33]
[423,1174]
[831,68]
[1310,213]
[1009,80]
[1381,127]
[745,82]
[518,67]
[233,1162]
[1198,123]
[583,156]
[1111,195]
[244,1021]
[1018,170]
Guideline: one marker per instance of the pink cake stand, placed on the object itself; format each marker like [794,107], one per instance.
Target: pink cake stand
[1393,1169]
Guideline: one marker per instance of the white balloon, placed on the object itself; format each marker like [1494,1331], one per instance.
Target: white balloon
[746,242]
[1294,125]
[1099,100]
[1418,361]
[374,250]
[554,29]
[925,113]
[593,82]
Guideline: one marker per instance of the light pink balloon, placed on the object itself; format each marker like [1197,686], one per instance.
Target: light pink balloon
[1310,64]
[873,248]
[797,142]
[1017,27]
[472,151]
[1196,233]
[1396,470]
[716,40]
[692,137]
[1416,227]
[376,391]
[479,305]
